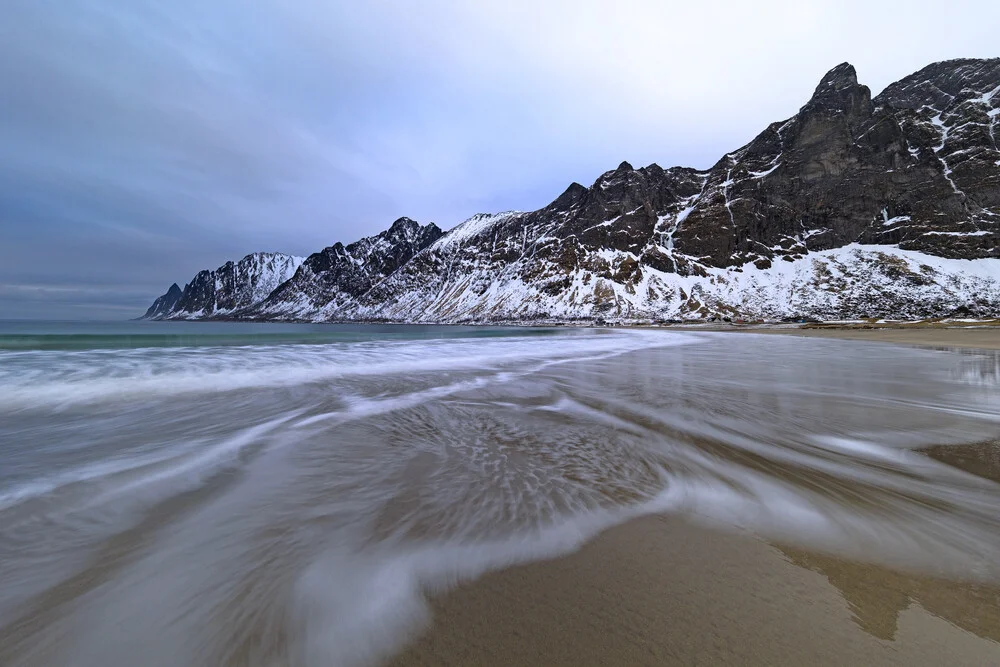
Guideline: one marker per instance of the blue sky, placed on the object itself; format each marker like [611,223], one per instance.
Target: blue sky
[143,141]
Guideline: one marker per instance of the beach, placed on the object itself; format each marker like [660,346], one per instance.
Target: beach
[667,590]
[664,591]
[984,338]
[221,494]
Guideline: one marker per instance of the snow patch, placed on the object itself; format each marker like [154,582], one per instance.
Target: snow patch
[762,174]
[472,227]
[979,233]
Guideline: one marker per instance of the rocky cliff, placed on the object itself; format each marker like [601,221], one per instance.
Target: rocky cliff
[853,207]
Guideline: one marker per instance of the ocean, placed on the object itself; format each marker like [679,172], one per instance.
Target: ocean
[291,494]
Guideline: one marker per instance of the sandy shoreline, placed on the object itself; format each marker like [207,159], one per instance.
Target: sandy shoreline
[987,338]
[663,591]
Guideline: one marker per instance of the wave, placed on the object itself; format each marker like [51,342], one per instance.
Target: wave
[62,379]
[80,383]
[356,610]
[145,479]
[320,519]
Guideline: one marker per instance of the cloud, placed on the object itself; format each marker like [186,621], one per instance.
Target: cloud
[147,140]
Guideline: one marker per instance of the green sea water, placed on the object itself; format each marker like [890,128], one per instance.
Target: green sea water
[70,335]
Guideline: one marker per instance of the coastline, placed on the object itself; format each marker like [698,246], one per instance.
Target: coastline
[660,590]
[975,337]
[981,334]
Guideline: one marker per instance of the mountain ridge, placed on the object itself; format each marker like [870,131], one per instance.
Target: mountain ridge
[228,289]
[854,206]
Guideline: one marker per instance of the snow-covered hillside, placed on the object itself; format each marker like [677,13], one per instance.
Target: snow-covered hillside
[853,281]
[853,207]
[232,287]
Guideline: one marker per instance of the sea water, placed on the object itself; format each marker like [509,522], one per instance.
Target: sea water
[270,494]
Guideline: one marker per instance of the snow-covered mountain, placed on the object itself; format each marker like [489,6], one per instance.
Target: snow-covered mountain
[330,281]
[853,207]
[232,287]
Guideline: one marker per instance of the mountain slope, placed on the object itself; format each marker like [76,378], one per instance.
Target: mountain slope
[855,206]
[231,287]
[330,282]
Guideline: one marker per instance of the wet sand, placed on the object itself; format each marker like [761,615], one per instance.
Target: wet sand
[987,338]
[663,591]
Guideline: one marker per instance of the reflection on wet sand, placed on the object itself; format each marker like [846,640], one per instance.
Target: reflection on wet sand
[660,591]
[877,595]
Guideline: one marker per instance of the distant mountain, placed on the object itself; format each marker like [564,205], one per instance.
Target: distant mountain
[853,207]
[334,279]
[232,287]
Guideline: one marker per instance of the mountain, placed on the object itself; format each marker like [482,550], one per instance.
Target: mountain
[853,207]
[231,287]
[164,305]
[330,281]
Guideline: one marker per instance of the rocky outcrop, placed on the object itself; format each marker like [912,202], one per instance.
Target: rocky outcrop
[853,207]
[948,113]
[848,169]
[164,305]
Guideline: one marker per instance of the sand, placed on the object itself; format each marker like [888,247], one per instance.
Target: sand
[663,590]
[965,337]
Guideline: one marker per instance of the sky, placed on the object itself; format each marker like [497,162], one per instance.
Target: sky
[143,141]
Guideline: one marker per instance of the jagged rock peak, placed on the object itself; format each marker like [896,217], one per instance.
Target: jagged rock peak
[403,223]
[569,198]
[623,173]
[408,229]
[842,76]
[164,304]
[839,92]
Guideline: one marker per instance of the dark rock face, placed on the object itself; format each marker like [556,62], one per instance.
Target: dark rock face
[199,294]
[813,218]
[950,116]
[850,169]
[164,304]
